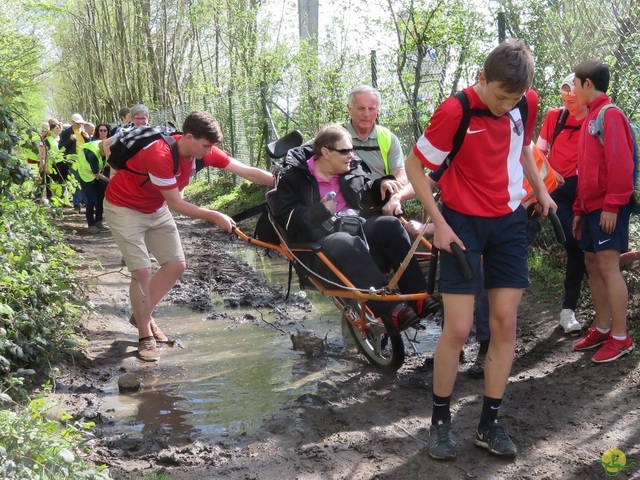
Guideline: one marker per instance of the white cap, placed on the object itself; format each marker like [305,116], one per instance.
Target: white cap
[567,87]
[77,118]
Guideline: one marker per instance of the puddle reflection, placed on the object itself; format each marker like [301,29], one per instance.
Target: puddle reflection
[229,375]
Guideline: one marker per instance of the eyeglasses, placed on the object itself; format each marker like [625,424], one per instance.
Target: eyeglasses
[342,151]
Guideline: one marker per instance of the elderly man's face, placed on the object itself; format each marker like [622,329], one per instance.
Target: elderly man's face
[363,112]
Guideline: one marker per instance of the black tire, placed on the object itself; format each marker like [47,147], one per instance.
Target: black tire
[383,350]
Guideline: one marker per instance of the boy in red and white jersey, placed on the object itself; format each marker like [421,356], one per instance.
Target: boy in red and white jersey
[481,212]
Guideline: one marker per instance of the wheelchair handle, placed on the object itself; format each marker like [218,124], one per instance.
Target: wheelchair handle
[557,227]
[460,257]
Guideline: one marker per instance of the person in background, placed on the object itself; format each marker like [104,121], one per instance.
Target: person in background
[91,163]
[70,143]
[378,148]
[139,115]
[90,128]
[602,209]
[102,132]
[558,140]
[125,121]
[141,220]
[481,194]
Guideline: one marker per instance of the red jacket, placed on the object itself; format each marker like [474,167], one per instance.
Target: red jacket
[605,172]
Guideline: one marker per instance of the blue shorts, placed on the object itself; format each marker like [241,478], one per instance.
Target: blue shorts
[595,240]
[496,245]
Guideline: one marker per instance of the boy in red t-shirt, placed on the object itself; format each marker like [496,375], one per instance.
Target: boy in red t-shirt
[138,205]
[561,146]
[605,185]
[481,212]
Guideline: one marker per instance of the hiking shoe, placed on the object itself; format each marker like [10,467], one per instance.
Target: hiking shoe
[101,226]
[148,350]
[93,229]
[593,339]
[403,316]
[477,369]
[493,438]
[157,333]
[568,321]
[613,349]
[441,444]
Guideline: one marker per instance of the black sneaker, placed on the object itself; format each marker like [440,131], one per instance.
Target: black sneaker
[441,444]
[493,438]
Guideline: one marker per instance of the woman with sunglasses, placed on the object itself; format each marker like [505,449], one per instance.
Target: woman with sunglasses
[101,132]
[324,179]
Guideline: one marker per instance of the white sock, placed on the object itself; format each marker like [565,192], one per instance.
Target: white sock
[603,330]
[619,338]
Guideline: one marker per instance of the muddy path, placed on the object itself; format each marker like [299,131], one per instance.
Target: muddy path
[563,411]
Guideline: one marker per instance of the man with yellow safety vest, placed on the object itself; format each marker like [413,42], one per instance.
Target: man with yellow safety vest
[91,163]
[375,145]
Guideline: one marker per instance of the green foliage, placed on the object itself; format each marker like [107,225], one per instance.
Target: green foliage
[35,447]
[223,196]
[36,309]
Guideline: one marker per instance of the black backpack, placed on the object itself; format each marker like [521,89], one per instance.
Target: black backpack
[131,142]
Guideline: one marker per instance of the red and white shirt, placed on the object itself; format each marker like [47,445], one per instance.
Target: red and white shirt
[485,178]
[564,151]
[143,192]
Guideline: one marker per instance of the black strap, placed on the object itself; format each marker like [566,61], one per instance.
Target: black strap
[174,151]
[562,120]
[364,148]
[249,212]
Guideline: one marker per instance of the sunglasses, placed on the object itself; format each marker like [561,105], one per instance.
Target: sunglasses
[342,151]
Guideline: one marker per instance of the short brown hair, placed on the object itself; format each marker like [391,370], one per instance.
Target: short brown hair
[596,71]
[511,65]
[202,125]
[328,136]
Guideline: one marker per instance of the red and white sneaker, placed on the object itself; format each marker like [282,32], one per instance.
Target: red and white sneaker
[613,349]
[593,339]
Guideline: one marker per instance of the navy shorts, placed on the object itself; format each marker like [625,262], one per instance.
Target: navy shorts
[497,245]
[595,240]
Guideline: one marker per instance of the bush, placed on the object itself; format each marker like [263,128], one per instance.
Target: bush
[35,447]
[37,315]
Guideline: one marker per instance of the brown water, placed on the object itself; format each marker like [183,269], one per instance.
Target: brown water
[230,373]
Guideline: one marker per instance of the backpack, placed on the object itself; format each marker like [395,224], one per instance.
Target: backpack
[561,124]
[635,133]
[132,141]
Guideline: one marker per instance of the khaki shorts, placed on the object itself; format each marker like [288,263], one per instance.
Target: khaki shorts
[137,234]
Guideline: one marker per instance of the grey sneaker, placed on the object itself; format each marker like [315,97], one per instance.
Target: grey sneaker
[441,444]
[148,350]
[477,369]
[101,226]
[157,333]
[493,438]
[93,229]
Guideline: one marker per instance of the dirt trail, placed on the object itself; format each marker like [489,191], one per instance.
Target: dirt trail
[563,411]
